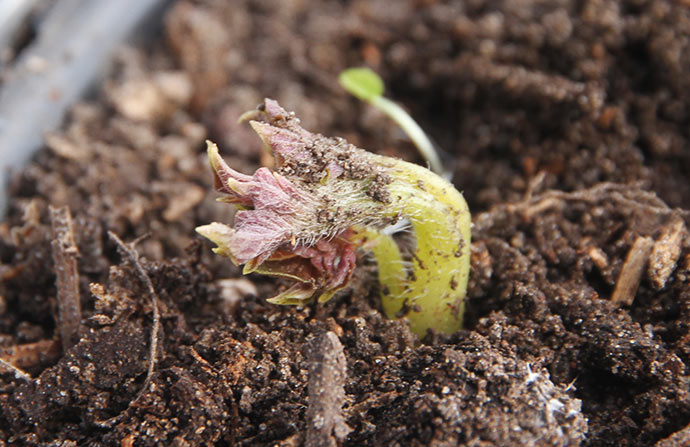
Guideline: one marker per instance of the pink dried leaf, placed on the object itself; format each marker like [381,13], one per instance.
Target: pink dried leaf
[226,180]
[285,143]
[274,111]
[291,224]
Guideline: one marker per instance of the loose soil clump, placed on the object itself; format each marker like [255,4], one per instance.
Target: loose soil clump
[566,125]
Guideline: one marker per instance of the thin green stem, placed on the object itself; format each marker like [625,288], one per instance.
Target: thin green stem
[412,129]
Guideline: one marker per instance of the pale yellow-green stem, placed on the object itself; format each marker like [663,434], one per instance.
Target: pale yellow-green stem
[426,283]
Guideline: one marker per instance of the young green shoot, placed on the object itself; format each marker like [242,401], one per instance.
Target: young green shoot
[366,85]
[328,201]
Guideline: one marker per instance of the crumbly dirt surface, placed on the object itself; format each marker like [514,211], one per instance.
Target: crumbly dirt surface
[566,125]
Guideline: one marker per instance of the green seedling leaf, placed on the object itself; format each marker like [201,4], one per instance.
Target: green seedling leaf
[362,82]
[366,85]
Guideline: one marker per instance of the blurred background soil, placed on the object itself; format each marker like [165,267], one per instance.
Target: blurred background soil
[566,125]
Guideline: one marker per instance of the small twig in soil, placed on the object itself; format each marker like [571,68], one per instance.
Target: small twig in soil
[327,374]
[65,254]
[18,373]
[631,273]
[128,251]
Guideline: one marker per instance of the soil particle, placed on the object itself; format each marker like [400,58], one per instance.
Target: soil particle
[566,310]
[493,399]
[89,385]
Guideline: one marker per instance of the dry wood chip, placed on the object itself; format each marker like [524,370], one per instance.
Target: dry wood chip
[64,147]
[631,273]
[138,99]
[65,254]
[181,204]
[326,426]
[598,257]
[182,197]
[30,355]
[666,252]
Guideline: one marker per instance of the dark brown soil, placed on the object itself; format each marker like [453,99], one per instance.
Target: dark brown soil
[567,125]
